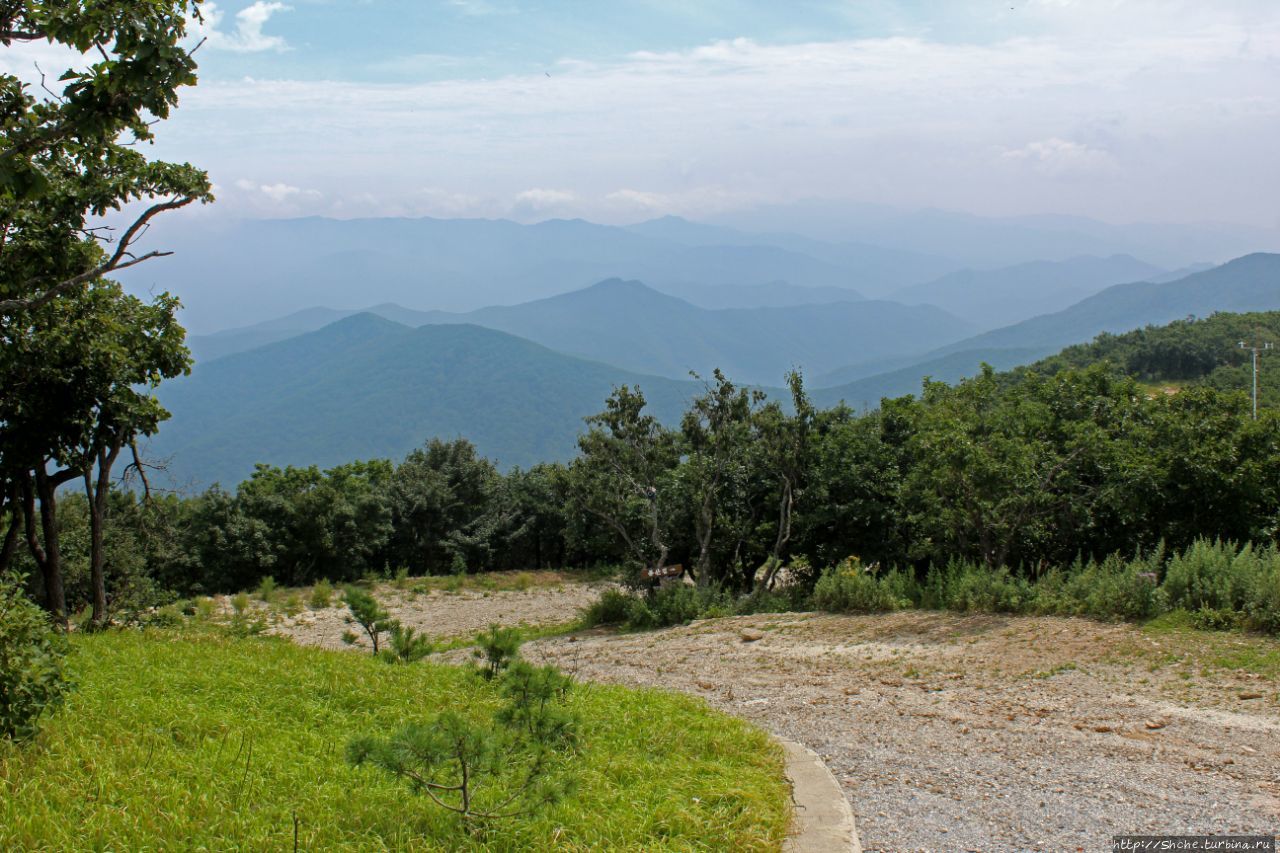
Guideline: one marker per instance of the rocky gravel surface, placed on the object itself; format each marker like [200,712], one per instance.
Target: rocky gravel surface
[979,732]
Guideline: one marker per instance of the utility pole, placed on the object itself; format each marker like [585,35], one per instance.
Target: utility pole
[1256,349]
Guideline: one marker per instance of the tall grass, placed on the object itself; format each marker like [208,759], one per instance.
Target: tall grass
[209,742]
[1218,584]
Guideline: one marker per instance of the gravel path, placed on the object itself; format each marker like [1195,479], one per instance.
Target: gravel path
[980,733]
[951,732]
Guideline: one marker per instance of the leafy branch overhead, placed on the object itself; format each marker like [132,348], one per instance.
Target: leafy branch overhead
[70,157]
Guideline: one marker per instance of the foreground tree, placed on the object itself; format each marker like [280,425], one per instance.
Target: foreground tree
[717,441]
[68,158]
[624,475]
[76,376]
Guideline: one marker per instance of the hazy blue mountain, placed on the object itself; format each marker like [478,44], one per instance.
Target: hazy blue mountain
[862,370]
[1181,272]
[1001,297]
[876,270]
[1250,283]
[234,273]
[635,327]
[366,387]
[628,324]
[775,295]
[866,392]
[988,242]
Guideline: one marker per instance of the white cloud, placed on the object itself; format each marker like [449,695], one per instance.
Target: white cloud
[1061,158]
[478,7]
[248,36]
[990,127]
[279,193]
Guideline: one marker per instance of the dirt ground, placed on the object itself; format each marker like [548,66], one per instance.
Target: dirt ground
[448,615]
[957,732]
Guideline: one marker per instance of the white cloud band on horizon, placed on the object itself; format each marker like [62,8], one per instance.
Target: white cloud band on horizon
[1167,122]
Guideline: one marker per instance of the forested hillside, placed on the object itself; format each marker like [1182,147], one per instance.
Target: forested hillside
[1205,351]
[366,386]
[1251,283]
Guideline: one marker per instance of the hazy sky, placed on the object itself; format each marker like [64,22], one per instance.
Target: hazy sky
[1125,110]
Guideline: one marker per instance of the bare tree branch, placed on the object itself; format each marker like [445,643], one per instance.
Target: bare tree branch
[122,258]
[7,36]
[140,467]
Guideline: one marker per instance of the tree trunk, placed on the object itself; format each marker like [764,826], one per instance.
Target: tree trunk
[48,557]
[706,524]
[12,534]
[784,534]
[98,494]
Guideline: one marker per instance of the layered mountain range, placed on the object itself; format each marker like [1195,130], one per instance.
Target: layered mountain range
[661,300]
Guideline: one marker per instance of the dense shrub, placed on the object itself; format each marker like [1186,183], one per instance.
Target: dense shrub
[1262,611]
[852,588]
[1114,588]
[497,649]
[613,607]
[33,673]
[1213,576]
[679,604]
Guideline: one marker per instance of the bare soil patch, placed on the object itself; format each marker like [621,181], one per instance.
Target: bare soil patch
[548,599]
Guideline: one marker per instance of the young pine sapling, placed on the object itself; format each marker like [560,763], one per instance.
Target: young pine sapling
[366,612]
[498,648]
[505,767]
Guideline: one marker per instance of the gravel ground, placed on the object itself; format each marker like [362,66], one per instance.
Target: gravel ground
[951,732]
[980,733]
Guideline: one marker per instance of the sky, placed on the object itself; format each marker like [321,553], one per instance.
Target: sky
[619,111]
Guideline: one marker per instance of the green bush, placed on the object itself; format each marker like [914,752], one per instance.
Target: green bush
[1112,589]
[613,607]
[788,600]
[407,646]
[975,588]
[33,674]
[1262,610]
[852,588]
[321,595]
[267,589]
[679,604]
[1212,576]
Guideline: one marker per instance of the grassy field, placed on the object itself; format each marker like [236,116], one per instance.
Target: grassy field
[209,742]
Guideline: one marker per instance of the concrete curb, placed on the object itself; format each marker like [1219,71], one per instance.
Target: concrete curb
[823,821]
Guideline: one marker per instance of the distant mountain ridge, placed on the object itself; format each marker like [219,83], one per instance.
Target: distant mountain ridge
[1000,297]
[278,266]
[633,326]
[365,386]
[1249,283]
